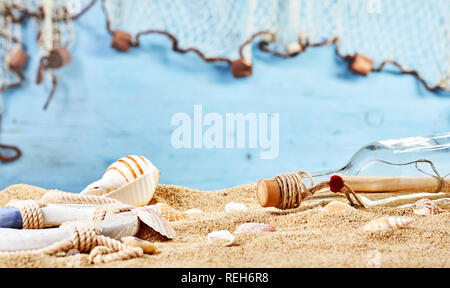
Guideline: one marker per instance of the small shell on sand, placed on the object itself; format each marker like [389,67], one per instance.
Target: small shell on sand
[387,224]
[168,212]
[72,252]
[193,211]
[223,237]
[155,220]
[235,207]
[426,207]
[336,206]
[61,254]
[254,228]
[146,246]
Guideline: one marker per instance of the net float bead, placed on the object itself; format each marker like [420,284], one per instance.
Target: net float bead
[361,64]
[17,59]
[240,68]
[121,41]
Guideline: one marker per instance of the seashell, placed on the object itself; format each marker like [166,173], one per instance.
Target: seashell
[426,207]
[168,212]
[193,211]
[72,252]
[146,246]
[155,220]
[61,254]
[254,228]
[336,206]
[131,179]
[387,223]
[119,173]
[222,237]
[235,207]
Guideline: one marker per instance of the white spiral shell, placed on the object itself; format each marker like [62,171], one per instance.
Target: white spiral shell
[123,171]
[387,224]
[131,179]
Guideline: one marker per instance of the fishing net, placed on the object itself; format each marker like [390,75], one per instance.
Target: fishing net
[13,59]
[55,37]
[54,20]
[10,48]
[55,33]
[411,36]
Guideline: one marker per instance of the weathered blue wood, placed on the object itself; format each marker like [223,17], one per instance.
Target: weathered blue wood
[110,104]
[10,218]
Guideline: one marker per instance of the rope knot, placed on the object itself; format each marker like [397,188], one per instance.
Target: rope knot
[337,185]
[293,189]
[101,211]
[83,235]
[86,238]
[30,210]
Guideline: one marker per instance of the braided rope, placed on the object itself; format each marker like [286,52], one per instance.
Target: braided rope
[87,238]
[32,217]
[101,211]
[293,190]
[59,197]
[99,214]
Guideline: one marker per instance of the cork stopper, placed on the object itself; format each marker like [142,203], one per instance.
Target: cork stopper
[268,193]
[240,68]
[361,64]
[59,57]
[121,41]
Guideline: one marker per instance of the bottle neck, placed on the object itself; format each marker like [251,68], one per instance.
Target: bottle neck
[325,175]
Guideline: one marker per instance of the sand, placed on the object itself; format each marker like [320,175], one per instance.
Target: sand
[304,237]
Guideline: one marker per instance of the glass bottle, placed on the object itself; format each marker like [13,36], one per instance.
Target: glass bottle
[397,170]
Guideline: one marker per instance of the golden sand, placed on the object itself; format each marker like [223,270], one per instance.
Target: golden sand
[304,237]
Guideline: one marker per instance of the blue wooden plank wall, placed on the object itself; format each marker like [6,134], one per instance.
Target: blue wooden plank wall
[110,104]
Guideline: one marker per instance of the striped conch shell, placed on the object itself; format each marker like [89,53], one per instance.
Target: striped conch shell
[121,172]
[426,207]
[387,224]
